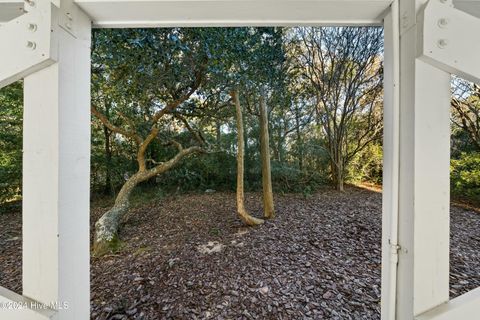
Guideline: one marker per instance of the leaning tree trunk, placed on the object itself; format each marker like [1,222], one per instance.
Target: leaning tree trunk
[242,212]
[268,207]
[107,227]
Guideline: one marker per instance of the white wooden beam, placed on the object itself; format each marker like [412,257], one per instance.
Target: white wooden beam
[449,40]
[27,43]
[101,11]
[151,13]
[469,6]
[10,9]
[466,306]
[56,166]
[16,307]
[423,269]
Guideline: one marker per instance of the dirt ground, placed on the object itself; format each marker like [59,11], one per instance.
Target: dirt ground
[189,257]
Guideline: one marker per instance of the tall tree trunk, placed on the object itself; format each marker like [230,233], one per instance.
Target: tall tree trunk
[218,131]
[333,173]
[280,130]
[107,227]
[268,207]
[280,146]
[108,162]
[338,172]
[275,150]
[108,189]
[242,212]
[340,180]
[300,149]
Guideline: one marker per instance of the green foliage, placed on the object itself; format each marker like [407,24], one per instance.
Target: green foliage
[367,165]
[137,72]
[287,178]
[465,176]
[11,98]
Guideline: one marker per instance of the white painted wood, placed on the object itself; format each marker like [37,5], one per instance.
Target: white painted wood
[148,13]
[56,146]
[225,12]
[432,187]
[16,307]
[423,269]
[470,6]
[56,166]
[391,119]
[465,307]
[10,9]
[28,44]
[450,40]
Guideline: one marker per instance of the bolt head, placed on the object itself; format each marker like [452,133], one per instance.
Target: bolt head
[31,45]
[442,43]
[32,27]
[443,22]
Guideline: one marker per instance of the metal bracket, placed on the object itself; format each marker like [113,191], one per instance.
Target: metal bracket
[394,249]
[448,40]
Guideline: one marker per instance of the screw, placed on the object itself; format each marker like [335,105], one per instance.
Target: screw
[32,27]
[30,2]
[443,22]
[31,45]
[442,43]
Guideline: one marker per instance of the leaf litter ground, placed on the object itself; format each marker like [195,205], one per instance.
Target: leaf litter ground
[189,257]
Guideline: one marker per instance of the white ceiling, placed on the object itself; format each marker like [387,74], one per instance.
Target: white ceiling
[198,12]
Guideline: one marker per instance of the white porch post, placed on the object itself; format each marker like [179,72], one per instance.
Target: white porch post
[423,187]
[391,114]
[56,167]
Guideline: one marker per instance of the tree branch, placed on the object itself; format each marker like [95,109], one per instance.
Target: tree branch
[114,128]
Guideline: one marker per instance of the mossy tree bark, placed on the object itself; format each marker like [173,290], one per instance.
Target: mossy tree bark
[242,212]
[268,206]
[107,227]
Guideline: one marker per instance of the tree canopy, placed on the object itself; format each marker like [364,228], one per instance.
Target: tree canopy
[158,91]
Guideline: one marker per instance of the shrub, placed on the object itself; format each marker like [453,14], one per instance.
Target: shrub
[367,165]
[465,176]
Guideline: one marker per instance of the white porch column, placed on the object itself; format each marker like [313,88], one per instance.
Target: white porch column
[423,187]
[56,167]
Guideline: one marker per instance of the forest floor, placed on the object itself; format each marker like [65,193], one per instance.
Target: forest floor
[189,257]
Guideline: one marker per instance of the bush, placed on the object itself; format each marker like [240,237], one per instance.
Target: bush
[465,176]
[287,178]
[11,142]
[200,172]
[367,165]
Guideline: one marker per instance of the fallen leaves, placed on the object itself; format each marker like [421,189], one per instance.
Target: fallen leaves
[318,259]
